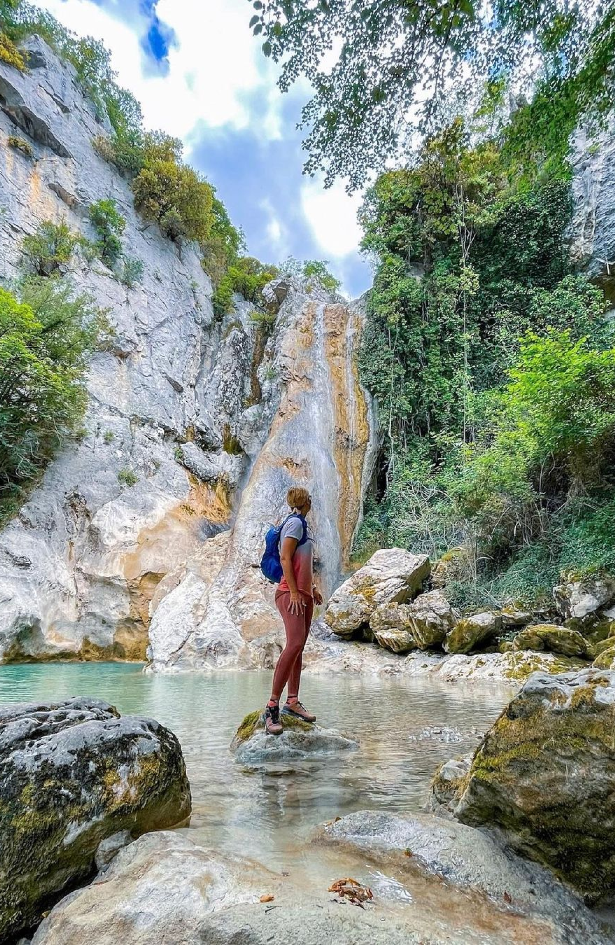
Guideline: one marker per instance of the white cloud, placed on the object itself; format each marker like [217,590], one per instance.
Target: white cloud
[216,69]
[332,216]
[215,63]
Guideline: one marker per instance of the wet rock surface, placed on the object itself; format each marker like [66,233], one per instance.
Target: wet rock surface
[71,775]
[392,575]
[253,746]
[470,859]
[544,775]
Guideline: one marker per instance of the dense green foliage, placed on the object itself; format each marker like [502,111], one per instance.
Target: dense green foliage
[109,225]
[401,65]
[46,336]
[248,277]
[50,248]
[315,269]
[492,365]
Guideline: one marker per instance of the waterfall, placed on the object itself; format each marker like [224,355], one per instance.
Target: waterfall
[319,437]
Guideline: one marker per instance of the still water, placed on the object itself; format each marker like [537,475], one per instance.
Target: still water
[270,813]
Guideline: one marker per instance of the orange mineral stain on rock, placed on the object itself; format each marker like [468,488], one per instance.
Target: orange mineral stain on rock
[164,547]
[352,432]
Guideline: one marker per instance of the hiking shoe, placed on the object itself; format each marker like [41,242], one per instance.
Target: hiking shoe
[299,711]
[271,717]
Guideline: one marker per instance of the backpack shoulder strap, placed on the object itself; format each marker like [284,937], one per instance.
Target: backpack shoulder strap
[303,523]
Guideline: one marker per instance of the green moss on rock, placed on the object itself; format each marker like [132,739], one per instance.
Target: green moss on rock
[254,721]
[552,638]
[544,775]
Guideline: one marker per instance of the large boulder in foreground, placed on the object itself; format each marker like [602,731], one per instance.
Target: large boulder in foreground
[472,631]
[545,776]
[391,575]
[300,740]
[550,637]
[471,862]
[164,888]
[71,774]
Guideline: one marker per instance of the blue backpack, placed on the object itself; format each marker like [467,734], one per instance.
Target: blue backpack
[271,566]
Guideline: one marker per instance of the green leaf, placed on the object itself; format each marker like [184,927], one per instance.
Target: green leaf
[267,48]
[255,19]
[258,29]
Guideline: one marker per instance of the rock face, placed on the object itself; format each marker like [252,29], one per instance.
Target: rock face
[545,776]
[192,406]
[593,237]
[580,599]
[469,632]
[71,775]
[469,859]
[299,740]
[391,575]
[548,636]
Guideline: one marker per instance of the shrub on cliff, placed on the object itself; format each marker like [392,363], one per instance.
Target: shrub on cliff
[10,54]
[174,196]
[247,277]
[47,250]
[315,269]
[46,337]
[109,225]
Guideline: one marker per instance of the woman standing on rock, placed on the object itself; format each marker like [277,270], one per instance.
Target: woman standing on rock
[295,598]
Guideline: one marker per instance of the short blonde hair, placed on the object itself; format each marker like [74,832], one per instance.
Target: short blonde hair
[297,497]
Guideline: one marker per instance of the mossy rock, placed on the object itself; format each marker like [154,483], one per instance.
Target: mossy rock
[606,659]
[544,775]
[253,722]
[72,774]
[470,632]
[521,665]
[552,638]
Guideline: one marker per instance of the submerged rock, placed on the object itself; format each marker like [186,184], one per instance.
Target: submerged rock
[252,745]
[469,632]
[547,636]
[164,888]
[545,776]
[391,575]
[470,860]
[72,774]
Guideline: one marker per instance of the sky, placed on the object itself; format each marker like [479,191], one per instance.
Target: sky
[200,75]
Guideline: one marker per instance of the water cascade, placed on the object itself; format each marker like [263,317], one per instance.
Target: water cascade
[319,437]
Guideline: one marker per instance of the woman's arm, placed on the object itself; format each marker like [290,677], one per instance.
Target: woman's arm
[289,546]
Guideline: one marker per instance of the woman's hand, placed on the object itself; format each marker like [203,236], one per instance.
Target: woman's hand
[317,597]
[297,603]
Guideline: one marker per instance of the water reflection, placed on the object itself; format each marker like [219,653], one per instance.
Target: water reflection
[271,812]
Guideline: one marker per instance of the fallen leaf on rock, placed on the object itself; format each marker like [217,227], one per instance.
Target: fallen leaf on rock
[329,823]
[266,898]
[507,897]
[408,853]
[352,890]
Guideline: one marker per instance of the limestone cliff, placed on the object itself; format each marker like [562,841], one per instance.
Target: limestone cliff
[214,420]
